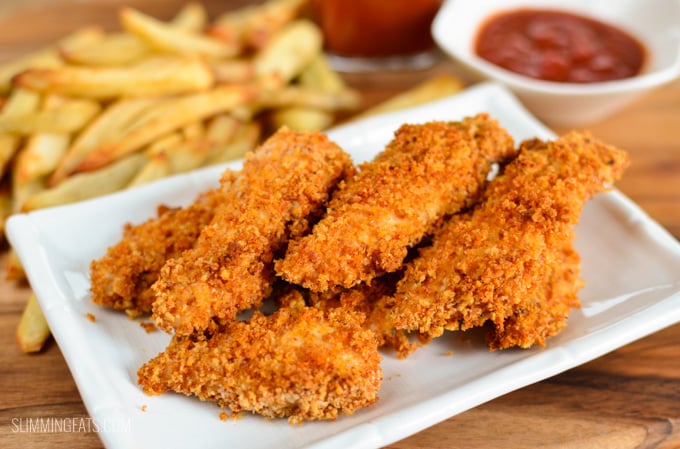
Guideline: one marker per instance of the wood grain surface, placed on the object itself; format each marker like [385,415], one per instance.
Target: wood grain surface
[628,399]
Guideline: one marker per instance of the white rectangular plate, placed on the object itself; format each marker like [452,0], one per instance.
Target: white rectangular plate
[630,264]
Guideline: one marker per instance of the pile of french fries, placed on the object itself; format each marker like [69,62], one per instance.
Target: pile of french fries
[99,112]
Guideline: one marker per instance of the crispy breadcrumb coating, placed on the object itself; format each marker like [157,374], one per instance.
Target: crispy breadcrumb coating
[122,278]
[299,362]
[427,171]
[282,184]
[549,317]
[510,260]
[366,299]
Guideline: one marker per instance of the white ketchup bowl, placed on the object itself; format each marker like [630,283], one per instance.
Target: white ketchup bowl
[655,23]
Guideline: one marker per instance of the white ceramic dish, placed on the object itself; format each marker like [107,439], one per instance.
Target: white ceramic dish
[656,23]
[631,266]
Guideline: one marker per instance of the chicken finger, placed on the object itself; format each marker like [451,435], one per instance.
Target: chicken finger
[366,299]
[510,260]
[122,278]
[299,363]
[230,268]
[427,171]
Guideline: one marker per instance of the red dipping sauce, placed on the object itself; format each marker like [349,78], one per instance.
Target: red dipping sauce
[558,46]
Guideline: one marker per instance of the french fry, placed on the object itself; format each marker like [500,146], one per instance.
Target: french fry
[318,74]
[244,140]
[230,27]
[109,127]
[20,102]
[182,151]
[429,90]
[162,145]
[9,143]
[222,129]
[116,49]
[167,117]
[33,330]
[70,117]
[232,71]
[177,157]
[188,155]
[192,151]
[253,26]
[165,38]
[192,17]
[42,151]
[14,269]
[179,152]
[45,58]
[160,76]
[312,98]
[83,186]
[39,156]
[5,205]
[302,119]
[82,38]
[8,146]
[194,130]
[22,190]
[289,51]
[157,166]
[123,49]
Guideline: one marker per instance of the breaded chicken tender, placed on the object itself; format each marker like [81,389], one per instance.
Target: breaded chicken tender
[284,183]
[366,299]
[122,278]
[299,363]
[510,260]
[558,297]
[426,172]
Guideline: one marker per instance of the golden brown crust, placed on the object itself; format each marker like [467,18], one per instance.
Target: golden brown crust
[230,268]
[299,363]
[427,171]
[122,278]
[510,260]
[368,299]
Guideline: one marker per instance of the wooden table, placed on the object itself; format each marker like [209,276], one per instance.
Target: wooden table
[627,399]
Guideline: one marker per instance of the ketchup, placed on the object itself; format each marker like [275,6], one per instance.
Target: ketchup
[559,46]
[376,27]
